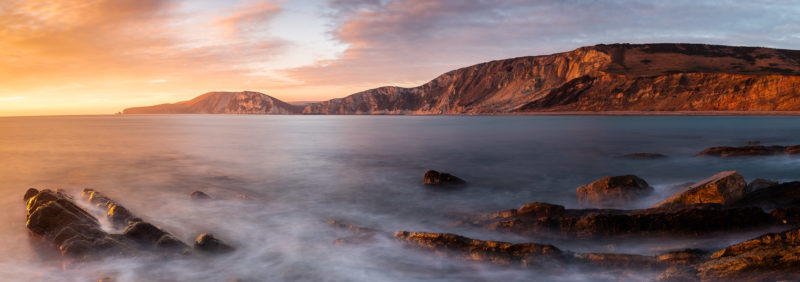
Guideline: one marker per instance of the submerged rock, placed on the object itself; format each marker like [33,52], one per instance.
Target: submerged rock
[613,191]
[770,257]
[758,150]
[722,188]
[643,156]
[208,243]
[199,195]
[436,178]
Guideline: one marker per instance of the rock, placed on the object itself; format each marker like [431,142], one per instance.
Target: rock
[199,195]
[435,178]
[787,216]
[117,214]
[770,257]
[76,233]
[777,196]
[744,151]
[208,243]
[682,257]
[542,220]
[144,232]
[760,183]
[678,274]
[528,254]
[643,156]
[613,191]
[723,188]
[793,150]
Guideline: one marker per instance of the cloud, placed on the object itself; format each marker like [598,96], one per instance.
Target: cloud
[410,41]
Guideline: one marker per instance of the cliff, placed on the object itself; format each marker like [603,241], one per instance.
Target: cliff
[619,77]
[222,103]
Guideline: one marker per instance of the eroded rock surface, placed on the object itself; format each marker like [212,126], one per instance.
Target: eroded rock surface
[613,191]
[783,195]
[208,243]
[723,188]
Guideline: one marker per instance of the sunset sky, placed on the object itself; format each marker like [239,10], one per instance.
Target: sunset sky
[100,56]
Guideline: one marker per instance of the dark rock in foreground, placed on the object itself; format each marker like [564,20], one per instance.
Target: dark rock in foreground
[643,156]
[76,233]
[208,243]
[760,183]
[435,178]
[613,191]
[758,150]
[538,219]
[770,257]
[723,188]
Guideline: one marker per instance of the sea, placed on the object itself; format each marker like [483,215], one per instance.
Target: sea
[278,182]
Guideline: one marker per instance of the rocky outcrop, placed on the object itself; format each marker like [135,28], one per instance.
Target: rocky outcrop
[543,219]
[435,178]
[245,102]
[55,217]
[750,151]
[613,191]
[770,257]
[76,233]
[723,188]
[618,77]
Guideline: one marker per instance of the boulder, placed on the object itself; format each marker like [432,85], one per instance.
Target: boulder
[758,150]
[643,156]
[435,178]
[784,195]
[722,188]
[209,244]
[770,257]
[199,195]
[760,183]
[613,191]
[116,213]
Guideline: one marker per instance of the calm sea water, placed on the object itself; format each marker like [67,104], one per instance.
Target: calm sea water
[301,171]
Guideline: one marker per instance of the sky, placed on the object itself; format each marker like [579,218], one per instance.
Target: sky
[101,56]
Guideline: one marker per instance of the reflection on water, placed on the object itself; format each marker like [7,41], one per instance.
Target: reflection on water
[298,172]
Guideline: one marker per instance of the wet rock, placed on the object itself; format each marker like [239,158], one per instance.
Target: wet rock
[793,150]
[788,216]
[770,257]
[643,156]
[528,254]
[613,191]
[760,183]
[542,220]
[436,178]
[723,188]
[758,150]
[606,261]
[144,232]
[117,214]
[199,195]
[76,233]
[777,196]
[678,274]
[682,257]
[209,244]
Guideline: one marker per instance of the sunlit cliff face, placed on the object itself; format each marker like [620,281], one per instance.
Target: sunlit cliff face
[83,57]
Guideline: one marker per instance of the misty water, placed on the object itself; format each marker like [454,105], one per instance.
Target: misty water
[299,172]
